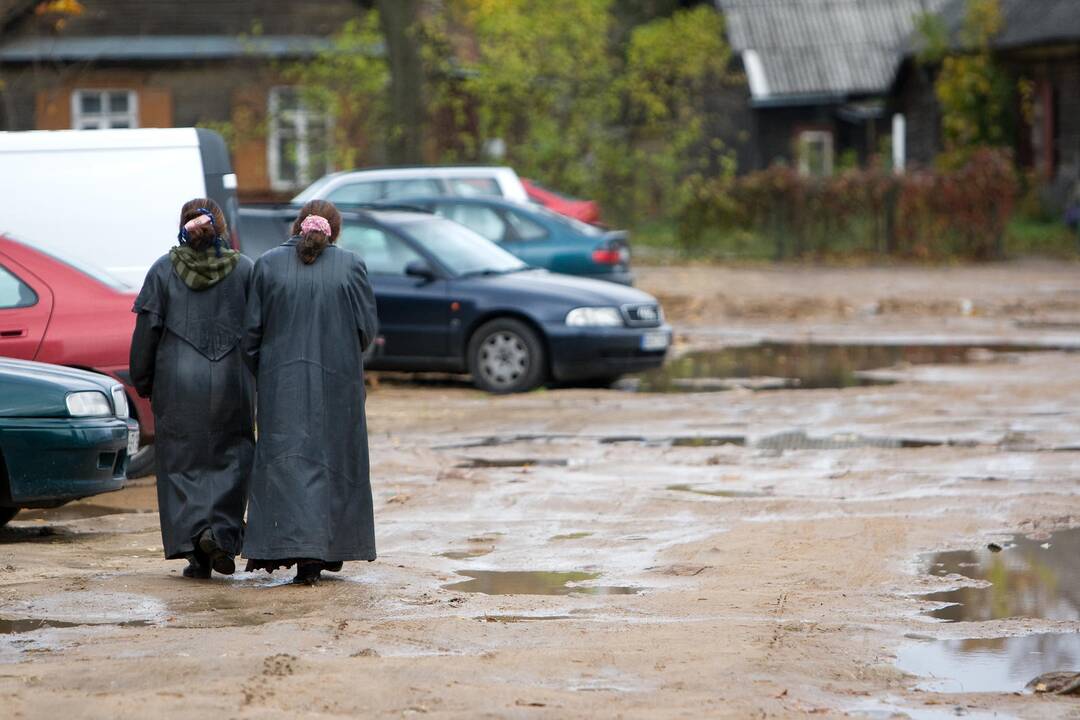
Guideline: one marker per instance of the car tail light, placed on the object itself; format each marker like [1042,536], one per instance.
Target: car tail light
[607,256]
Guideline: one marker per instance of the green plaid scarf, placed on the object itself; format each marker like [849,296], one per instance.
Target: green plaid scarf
[200,269]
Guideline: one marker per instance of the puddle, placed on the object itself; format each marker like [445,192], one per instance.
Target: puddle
[772,366]
[1033,578]
[571,536]
[77,511]
[466,554]
[534,583]
[708,441]
[524,618]
[891,708]
[989,664]
[717,493]
[512,462]
[15,626]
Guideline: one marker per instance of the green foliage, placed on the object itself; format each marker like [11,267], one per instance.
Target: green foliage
[672,65]
[542,84]
[622,122]
[349,80]
[973,92]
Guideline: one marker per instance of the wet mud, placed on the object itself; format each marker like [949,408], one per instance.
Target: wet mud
[616,583]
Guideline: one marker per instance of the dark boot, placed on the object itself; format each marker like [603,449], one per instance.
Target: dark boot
[308,572]
[333,566]
[220,560]
[197,567]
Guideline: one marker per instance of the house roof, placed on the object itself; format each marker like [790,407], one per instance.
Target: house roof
[799,50]
[157,47]
[1025,22]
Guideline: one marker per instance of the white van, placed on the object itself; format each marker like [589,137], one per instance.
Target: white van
[357,187]
[110,198]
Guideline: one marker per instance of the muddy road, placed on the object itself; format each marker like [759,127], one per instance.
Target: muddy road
[894,539]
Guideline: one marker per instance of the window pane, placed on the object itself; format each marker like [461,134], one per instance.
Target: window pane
[286,148]
[14,293]
[525,228]
[410,188]
[383,253]
[119,124]
[89,125]
[318,150]
[89,102]
[118,102]
[471,187]
[477,218]
[286,98]
[363,192]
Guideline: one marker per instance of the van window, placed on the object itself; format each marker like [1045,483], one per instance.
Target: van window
[471,187]
[14,293]
[410,188]
[356,193]
[481,220]
[383,253]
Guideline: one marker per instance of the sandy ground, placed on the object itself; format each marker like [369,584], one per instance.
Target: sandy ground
[791,597]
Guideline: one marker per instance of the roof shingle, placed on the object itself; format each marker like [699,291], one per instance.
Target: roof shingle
[835,48]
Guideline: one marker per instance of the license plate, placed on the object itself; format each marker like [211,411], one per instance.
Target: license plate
[654,341]
[133,442]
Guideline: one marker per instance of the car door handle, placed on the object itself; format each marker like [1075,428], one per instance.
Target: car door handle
[13,333]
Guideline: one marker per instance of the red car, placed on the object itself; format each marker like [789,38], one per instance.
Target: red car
[61,312]
[583,210]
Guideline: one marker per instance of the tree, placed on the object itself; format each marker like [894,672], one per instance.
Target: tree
[400,23]
[974,93]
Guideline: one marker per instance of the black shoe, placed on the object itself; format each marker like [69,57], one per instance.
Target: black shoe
[196,568]
[308,572]
[333,566]
[220,560]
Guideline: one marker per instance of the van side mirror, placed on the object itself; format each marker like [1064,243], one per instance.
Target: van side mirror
[420,269]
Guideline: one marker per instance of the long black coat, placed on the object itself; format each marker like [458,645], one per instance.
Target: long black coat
[307,327]
[185,355]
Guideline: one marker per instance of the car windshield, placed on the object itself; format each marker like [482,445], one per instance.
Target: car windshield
[313,190]
[581,227]
[461,250]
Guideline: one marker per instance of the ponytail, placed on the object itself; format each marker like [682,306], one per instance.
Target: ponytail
[317,225]
[311,245]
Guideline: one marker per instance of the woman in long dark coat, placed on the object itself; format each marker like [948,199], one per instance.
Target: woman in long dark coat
[310,316]
[185,356]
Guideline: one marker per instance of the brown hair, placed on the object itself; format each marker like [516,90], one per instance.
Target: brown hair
[203,236]
[313,242]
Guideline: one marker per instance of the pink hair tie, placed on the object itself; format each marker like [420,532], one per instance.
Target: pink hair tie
[316,222]
[197,221]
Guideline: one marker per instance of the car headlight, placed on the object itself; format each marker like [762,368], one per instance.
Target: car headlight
[88,404]
[120,404]
[594,317]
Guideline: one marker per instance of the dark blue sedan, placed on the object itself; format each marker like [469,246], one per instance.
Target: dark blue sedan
[449,300]
[540,237]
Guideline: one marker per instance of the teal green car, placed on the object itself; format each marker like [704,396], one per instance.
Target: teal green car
[65,434]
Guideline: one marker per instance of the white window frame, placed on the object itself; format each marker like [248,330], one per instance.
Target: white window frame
[104,119]
[803,141]
[302,119]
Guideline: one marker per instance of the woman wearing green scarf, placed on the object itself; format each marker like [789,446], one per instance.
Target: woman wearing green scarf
[185,358]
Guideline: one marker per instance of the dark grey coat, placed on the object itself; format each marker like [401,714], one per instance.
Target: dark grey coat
[185,356]
[307,327]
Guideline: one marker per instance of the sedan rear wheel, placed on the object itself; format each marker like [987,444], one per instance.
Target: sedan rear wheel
[506,356]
